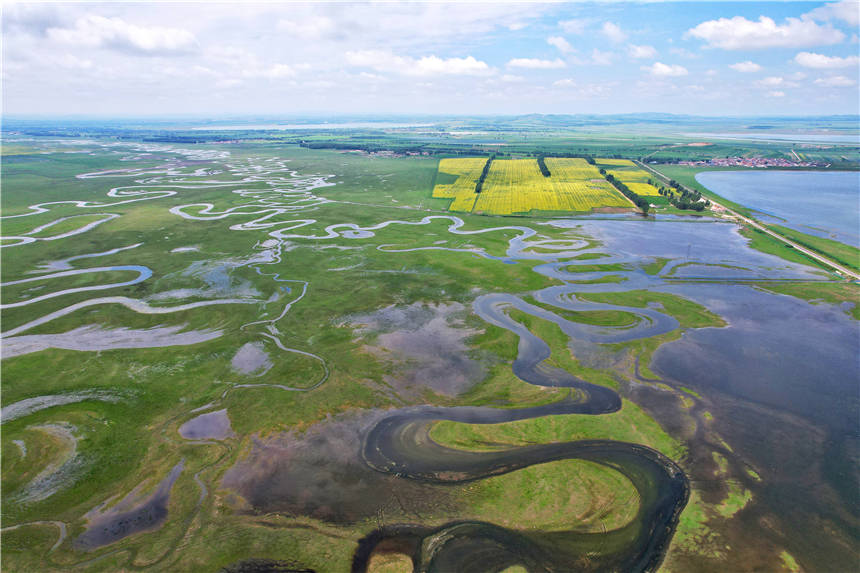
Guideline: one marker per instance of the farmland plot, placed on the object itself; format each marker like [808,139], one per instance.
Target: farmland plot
[462,190]
[631,175]
[517,186]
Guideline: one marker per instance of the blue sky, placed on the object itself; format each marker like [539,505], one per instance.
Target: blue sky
[704,58]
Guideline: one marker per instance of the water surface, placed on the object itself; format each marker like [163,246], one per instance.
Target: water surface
[820,203]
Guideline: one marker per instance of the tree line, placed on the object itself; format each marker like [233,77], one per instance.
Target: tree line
[542,166]
[480,184]
[681,198]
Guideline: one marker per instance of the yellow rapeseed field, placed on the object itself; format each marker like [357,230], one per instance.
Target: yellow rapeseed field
[643,189]
[467,170]
[631,175]
[517,186]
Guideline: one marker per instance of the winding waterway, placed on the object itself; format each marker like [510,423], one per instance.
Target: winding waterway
[398,444]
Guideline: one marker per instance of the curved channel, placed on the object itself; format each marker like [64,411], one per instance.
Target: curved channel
[400,444]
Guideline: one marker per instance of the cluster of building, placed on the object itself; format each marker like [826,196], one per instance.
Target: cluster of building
[750,162]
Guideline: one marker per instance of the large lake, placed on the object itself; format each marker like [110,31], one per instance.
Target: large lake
[825,204]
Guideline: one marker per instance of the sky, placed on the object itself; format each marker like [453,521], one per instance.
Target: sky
[459,58]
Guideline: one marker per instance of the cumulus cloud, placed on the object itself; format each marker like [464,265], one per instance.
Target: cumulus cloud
[770,81]
[847,11]
[665,70]
[576,26]
[613,32]
[776,93]
[116,33]
[822,62]
[536,63]
[738,33]
[835,82]
[560,44]
[641,52]
[746,67]
[384,61]
[564,83]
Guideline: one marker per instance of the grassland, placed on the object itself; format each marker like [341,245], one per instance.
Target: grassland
[839,252]
[133,441]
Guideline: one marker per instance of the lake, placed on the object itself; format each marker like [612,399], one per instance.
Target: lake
[825,204]
[850,139]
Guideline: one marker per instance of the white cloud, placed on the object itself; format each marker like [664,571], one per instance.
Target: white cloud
[835,82]
[274,72]
[665,70]
[822,62]
[738,33]
[847,11]
[434,65]
[599,58]
[641,52]
[384,61]
[746,67]
[227,83]
[777,81]
[311,28]
[770,81]
[98,31]
[560,43]
[613,32]
[71,62]
[573,26]
[371,77]
[776,93]
[536,64]
[512,78]
[564,83]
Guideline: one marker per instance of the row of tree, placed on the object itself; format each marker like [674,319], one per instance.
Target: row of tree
[541,156]
[480,184]
[640,202]
[542,166]
[682,198]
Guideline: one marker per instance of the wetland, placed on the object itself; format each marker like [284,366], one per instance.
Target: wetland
[269,353]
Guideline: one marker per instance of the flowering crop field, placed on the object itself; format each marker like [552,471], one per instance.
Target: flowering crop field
[644,189]
[517,186]
[467,170]
[631,175]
